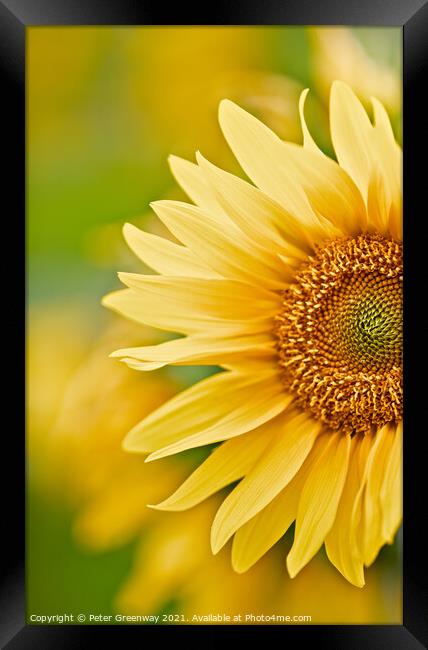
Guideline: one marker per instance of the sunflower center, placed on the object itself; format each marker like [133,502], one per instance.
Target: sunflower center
[339,334]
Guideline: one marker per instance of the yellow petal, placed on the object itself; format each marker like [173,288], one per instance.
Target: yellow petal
[308,141]
[370,155]
[193,182]
[190,411]
[389,155]
[319,501]
[225,248]
[246,364]
[391,490]
[192,305]
[268,401]
[198,350]
[154,311]
[339,542]
[295,435]
[314,184]
[390,152]
[376,467]
[261,218]
[164,256]
[216,408]
[378,205]
[395,226]
[210,296]
[351,133]
[356,525]
[330,191]
[259,534]
[227,463]
[261,155]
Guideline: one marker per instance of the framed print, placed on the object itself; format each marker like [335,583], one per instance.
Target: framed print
[215,245]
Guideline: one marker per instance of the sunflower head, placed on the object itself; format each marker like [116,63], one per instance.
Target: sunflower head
[291,284]
[339,334]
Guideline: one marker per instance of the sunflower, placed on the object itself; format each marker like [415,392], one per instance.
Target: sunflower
[292,285]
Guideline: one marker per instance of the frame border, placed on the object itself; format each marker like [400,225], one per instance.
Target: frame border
[412,16]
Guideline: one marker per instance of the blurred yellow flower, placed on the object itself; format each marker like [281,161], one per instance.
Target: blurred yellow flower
[337,54]
[294,288]
[57,342]
[108,488]
[178,75]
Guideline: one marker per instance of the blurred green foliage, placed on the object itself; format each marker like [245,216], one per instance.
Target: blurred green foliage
[62,578]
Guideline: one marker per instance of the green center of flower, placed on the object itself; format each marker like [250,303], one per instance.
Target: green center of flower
[339,334]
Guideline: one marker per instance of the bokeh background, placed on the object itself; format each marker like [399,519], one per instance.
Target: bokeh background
[105,107]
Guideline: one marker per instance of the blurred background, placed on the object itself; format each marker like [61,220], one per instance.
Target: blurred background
[106,106]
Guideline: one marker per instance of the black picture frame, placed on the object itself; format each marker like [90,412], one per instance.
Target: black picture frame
[15,17]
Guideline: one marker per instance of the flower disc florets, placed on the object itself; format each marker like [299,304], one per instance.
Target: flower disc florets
[339,334]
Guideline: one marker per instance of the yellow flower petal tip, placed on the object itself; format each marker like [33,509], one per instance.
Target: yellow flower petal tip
[126,446]
[127,226]
[239,569]
[338,84]
[360,585]
[186,173]
[239,566]
[124,276]
[293,567]
[129,444]
[227,109]
[302,98]
[175,161]
[203,162]
[129,231]
[164,507]
[109,300]
[224,105]
[341,90]
[218,540]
